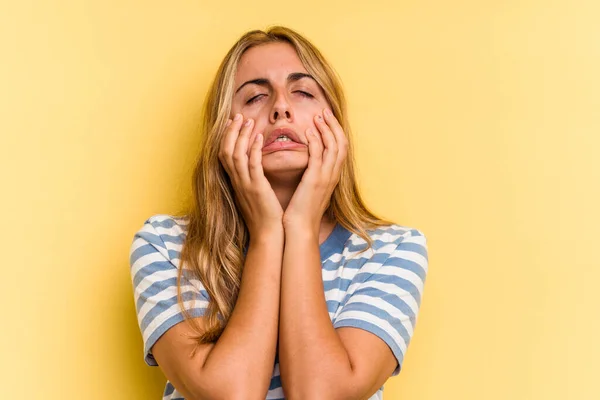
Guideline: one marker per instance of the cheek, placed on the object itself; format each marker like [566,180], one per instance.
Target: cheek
[307,120]
[260,115]
[260,126]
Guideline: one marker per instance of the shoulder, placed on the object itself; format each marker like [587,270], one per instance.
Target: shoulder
[389,238]
[396,250]
[395,233]
[165,225]
[163,233]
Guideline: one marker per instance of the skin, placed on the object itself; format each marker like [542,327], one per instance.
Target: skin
[283,196]
[295,104]
[281,303]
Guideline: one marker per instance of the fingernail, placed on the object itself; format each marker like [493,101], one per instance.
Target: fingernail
[238,117]
[328,112]
[248,122]
[228,122]
[310,132]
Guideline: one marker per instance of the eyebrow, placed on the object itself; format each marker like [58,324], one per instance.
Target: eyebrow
[293,77]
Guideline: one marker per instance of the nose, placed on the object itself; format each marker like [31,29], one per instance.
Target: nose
[281,109]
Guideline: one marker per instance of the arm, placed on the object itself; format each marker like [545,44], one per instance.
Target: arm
[240,364]
[316,360]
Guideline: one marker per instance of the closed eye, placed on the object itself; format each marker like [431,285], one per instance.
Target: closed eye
[255,98]
[259,96]
[305,94]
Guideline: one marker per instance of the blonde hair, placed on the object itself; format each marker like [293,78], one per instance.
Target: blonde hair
[213,251]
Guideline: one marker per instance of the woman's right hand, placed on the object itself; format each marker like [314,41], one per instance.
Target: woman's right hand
[259,204]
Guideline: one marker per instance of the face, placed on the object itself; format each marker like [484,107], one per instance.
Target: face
[274,89]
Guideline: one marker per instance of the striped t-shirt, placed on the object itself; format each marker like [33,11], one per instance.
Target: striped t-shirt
[379,290]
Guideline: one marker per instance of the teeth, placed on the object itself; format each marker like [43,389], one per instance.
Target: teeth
[283,139]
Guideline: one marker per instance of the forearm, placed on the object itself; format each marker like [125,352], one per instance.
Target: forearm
[311,355]
[245,352]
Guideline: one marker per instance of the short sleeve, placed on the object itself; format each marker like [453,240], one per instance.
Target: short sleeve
[387,301]
[154,279]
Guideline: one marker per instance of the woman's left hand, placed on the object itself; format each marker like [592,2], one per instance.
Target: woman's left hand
[327,151]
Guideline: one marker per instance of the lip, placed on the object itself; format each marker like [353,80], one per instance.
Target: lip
[275,133]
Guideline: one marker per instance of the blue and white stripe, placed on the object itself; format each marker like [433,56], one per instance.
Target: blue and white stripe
[379,290]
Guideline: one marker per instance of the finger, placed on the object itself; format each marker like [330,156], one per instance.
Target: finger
[315,150]
[240,152]
[255,162]
[331,148]
[335,127]
[340,137]
[251,140]
[231,133]
[228,143]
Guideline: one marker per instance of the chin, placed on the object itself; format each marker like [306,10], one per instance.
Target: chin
[281,166]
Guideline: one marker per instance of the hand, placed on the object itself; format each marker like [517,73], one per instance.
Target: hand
[327,151]
[243,162]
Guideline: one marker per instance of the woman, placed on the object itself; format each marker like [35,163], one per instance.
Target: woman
[279,282]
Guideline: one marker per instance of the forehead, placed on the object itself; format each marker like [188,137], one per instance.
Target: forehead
[274,61]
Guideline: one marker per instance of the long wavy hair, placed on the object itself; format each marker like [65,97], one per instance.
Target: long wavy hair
[213,250]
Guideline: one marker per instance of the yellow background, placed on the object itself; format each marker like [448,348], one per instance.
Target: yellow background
[477,122]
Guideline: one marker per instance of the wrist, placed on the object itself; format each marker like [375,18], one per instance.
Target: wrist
[300,228]
[269,235]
